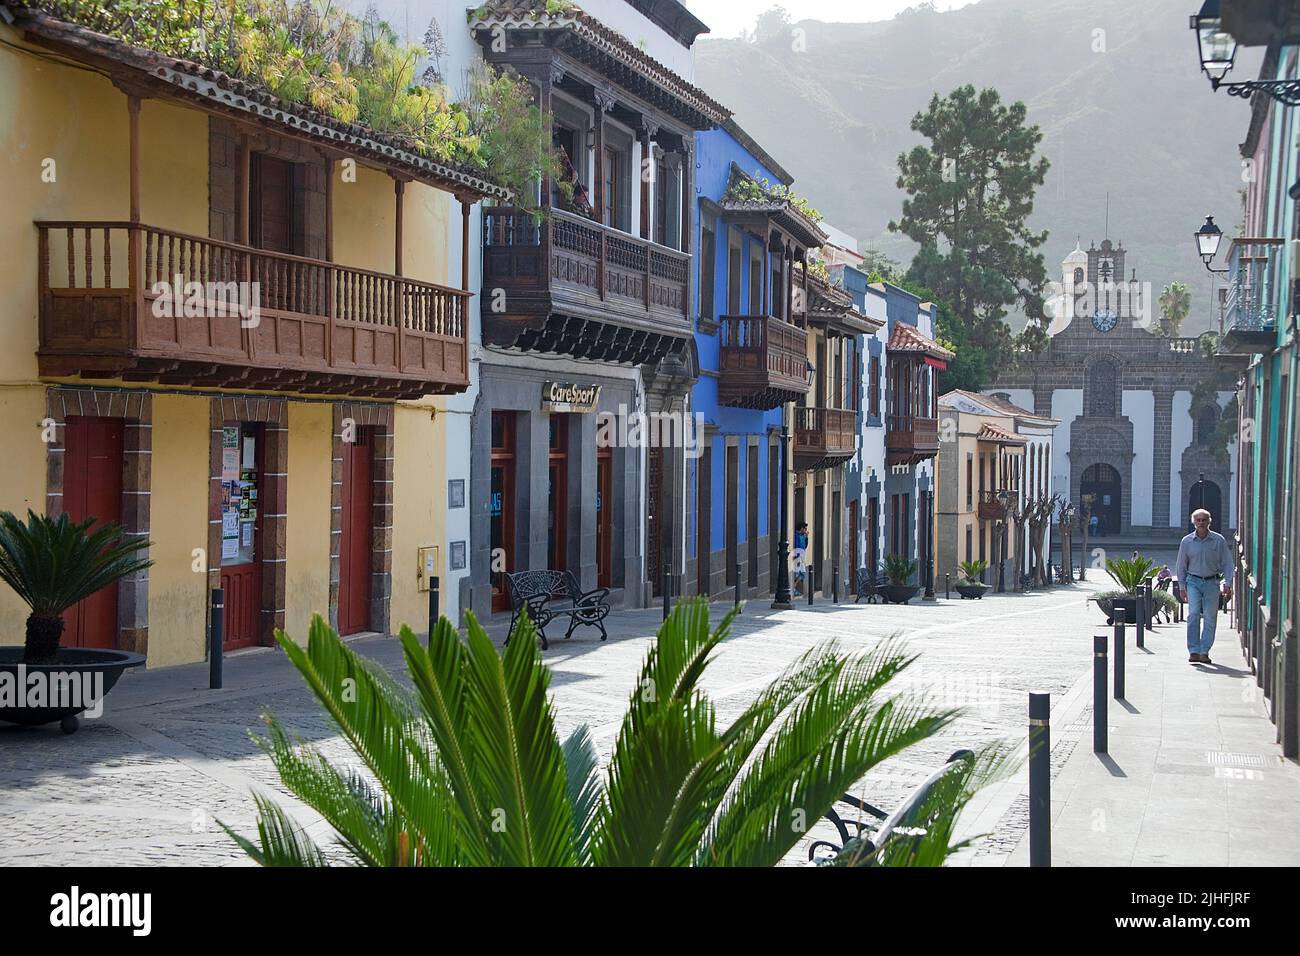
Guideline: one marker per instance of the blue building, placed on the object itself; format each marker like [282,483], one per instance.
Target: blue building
[752,347]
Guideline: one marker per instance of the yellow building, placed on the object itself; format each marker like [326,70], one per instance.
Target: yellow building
[996,461]
[227,324]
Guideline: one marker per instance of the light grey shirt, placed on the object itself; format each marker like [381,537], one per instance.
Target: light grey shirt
[1204,557]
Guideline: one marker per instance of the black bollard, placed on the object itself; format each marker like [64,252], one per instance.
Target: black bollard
[1040,780]
[835,584]
[1143,614]
[217,638]
[668,603]
[1119,615]
[737,585]
[433,607]
[809,586]
[1099,704]
[947,586]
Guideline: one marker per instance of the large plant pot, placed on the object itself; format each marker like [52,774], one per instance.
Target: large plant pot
[973,591]
[900,593]
[86,675]
[1108,606]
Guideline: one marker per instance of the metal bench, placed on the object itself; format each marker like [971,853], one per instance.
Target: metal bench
[546,595]
[869,583]
[910,816]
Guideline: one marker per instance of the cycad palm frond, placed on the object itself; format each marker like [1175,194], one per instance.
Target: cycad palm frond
[926,837]
[280,842]
[829,739]
[667,733]
[520,768]
[377,719]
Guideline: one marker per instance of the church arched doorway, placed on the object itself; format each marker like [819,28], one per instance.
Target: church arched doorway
[1208,495]
[1103,483]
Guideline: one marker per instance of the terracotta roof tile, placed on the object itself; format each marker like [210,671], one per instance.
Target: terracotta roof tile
[908,338]
[534,15]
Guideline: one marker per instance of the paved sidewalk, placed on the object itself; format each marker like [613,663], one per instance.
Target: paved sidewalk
[1193,775]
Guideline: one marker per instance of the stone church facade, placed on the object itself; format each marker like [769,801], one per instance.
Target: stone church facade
[1124,394]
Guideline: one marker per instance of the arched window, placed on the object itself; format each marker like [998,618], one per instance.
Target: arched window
[1101,389]
[1207,420]
[1078,277]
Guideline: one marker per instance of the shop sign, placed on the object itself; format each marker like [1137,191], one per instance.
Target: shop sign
[567,397]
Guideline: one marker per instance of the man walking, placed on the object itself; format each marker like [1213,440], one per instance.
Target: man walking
[1204,564]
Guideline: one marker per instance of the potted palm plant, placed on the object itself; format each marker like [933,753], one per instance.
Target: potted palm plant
[52,563]
[898,571]
[969,585]
[1127,573]
[678,789]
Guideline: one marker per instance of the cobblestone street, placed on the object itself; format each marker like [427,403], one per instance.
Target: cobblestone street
[146,783]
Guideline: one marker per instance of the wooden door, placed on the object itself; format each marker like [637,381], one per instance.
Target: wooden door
[557,531]
[92,474]
[654,548]
[732,513]
[241,562]
[703,518]
[604,517]
[357,542]
[270,203]
[501,510]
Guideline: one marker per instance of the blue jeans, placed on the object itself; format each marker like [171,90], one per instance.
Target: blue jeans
[1202,613]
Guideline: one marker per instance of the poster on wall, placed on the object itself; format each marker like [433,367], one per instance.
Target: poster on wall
[230,453]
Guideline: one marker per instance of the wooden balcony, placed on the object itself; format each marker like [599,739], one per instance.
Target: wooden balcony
[909,440]
[823,437]
[245,318]
[762,361]
[571,286]
[990,508]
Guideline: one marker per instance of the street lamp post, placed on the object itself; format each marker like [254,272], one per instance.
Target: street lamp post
[1004,499]
[929,546]
[781,600]
[1208,238]
[1200,494]
[1217,49]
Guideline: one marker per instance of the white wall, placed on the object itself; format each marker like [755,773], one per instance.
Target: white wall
[1180,436]
[1139,407]
[1067,404]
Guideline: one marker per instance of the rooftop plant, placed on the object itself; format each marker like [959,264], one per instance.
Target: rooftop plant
[356,70]
[756,188]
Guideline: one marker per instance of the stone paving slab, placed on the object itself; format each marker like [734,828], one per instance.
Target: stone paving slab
[146,784]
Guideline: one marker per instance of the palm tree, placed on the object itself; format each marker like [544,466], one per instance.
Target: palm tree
[1175,303]
[52,564]
[468,770]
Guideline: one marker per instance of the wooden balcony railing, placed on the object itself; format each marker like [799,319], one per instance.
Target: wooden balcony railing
[909,439]
[763,361]
[823,437]
[570,266]
[990,508]
[143,303]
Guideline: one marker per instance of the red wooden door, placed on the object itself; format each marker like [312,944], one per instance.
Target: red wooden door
[356,546]
[241,572]
[92,488]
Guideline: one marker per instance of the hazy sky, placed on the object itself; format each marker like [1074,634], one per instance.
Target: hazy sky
[726,18]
